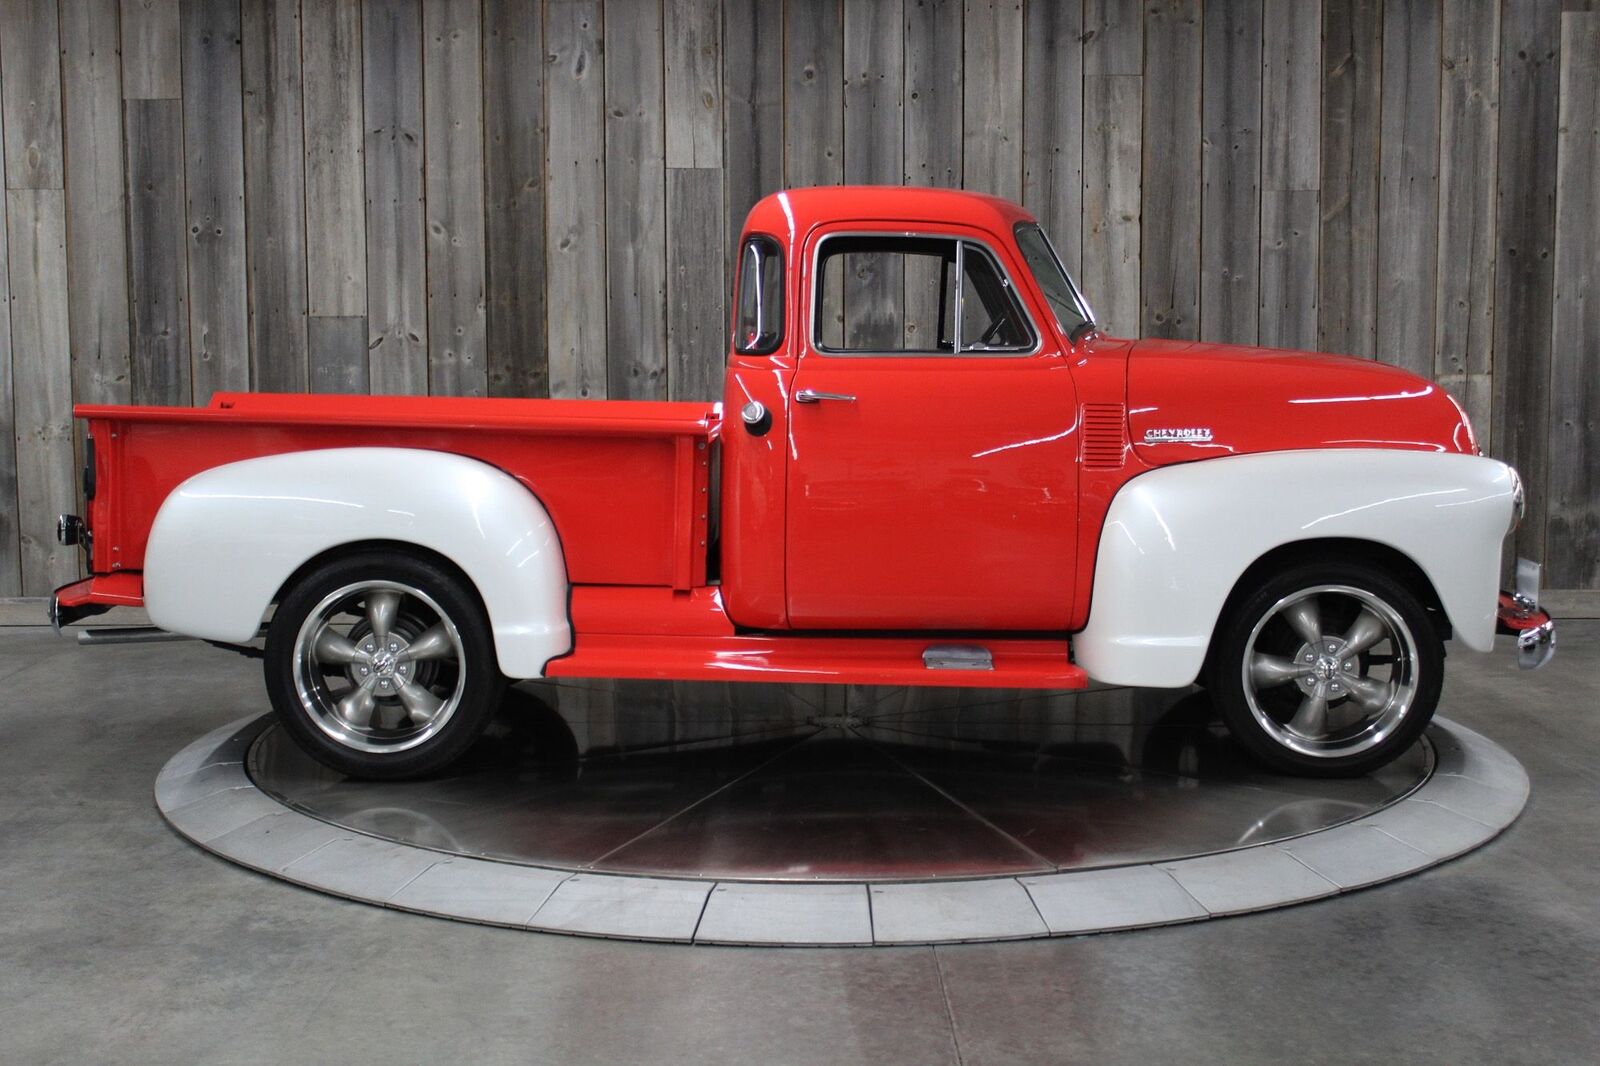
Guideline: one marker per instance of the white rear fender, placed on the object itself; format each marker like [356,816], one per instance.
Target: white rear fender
[226,540]
[1177,539]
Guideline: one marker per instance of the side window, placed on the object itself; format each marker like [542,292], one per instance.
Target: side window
[909,295]
[991,318]
[758,329]
[886,294]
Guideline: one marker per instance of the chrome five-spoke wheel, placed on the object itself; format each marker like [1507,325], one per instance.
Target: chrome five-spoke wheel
[1349,678]
[378,666]
[1327,669]
[382,664]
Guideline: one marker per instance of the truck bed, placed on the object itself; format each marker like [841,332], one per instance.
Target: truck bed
[626,482]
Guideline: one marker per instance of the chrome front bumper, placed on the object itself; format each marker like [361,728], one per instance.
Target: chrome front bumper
[1521,616]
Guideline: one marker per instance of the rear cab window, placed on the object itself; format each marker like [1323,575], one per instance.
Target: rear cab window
[758,321]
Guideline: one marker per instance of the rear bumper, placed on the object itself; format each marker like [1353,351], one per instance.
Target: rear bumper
[1520,615]
[94,595]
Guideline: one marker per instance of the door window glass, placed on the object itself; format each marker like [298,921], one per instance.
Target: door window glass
[991,318]
[909,295]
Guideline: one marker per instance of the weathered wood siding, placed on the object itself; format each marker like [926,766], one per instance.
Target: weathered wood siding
[539,197]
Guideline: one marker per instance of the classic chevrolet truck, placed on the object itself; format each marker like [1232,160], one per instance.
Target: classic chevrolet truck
[929,467]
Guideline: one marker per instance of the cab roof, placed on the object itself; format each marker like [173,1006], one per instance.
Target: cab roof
[792,213]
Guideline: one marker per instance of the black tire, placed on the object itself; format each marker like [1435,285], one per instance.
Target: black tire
[419,713]
[1273,709]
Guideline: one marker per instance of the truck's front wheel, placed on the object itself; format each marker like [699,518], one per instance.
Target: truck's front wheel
[1327,669]
[382,665]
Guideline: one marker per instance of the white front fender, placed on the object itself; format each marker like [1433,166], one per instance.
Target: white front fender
[1177,539]
[227,539]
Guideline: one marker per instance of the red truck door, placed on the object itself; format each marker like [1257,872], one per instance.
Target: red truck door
[932,476]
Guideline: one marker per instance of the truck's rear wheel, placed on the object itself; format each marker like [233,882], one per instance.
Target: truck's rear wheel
[1328,669]
[382,665]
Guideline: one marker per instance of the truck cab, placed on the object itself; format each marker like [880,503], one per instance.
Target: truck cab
[929,466]
[901,446]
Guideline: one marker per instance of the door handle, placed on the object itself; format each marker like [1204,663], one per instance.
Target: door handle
[813,396]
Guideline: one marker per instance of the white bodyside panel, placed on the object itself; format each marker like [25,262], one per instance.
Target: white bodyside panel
[227,539]
[1177,539]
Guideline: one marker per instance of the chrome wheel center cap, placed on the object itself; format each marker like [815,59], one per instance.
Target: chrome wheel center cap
[384,663]
[1326,668]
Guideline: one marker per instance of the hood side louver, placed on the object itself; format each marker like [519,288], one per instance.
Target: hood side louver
[1105,437]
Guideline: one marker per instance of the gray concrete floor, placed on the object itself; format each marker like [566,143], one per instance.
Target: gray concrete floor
[119,942]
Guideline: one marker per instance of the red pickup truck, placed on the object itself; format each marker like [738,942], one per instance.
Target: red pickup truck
[929,467]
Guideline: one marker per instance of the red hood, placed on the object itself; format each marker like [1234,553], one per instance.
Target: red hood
[1191,401]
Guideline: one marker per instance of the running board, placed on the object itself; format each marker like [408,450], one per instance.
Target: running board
[1041,664]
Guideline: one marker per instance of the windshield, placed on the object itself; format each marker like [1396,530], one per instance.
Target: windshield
[1068,306]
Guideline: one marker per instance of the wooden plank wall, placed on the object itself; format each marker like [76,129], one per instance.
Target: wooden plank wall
[538,197]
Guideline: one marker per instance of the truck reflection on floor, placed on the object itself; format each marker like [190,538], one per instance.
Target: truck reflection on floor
[769,782]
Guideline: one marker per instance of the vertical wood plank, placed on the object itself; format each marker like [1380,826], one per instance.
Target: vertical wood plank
[991,111]
[336,233]
[213,143]
[1469,120]
[1052,125]
[1574,533]
[1231,173]
[10,548]
[1113,37]
[338,347]
[1291,36]
[693,47]
[1289,268]
[30,94]
[453,165]
[1524,241]
[932,119]
[36,221]
[158,274]
[932,98]
[636,202]
[1347,286]
[874,64]
[97,248]
[1170,228]
[813,102]
[575,241]
[752,113]
[696,326]
[513,124]
[1291,171]
[397,285]
[1113,91]
[696,320]
[1111,198]
[1408,190]
[274,206]
[874,135]
[151,62]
